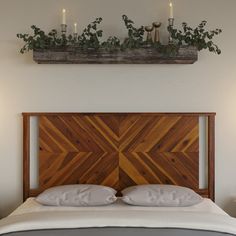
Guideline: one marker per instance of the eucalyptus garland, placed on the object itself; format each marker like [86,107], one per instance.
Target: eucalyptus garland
[91,39]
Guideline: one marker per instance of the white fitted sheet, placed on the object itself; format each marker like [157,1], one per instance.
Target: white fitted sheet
[30,206]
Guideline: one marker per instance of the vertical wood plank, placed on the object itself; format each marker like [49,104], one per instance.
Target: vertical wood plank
[26,156]
[211,156]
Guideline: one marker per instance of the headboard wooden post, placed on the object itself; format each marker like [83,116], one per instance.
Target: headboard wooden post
[211,156]
[119,150]
[26,156]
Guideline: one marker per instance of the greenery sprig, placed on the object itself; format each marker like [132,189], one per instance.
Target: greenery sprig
[112,44]
[40,40]
[91,36]
[198,37]
[135,37]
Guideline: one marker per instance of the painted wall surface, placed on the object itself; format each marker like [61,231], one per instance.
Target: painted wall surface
[208,85]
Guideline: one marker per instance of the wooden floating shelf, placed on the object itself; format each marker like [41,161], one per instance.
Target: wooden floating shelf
[186,55]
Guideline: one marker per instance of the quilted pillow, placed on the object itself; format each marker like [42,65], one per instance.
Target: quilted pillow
[160,196]
[77,195]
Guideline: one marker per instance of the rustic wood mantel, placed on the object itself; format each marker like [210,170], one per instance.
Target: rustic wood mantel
[186,55]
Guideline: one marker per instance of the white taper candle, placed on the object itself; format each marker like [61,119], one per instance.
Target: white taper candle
[64,16]
[171,10]
[75,28]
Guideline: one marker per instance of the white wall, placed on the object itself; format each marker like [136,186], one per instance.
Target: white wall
[208,85]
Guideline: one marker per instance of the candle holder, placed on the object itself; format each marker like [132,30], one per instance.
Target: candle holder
[149,30]
[171,24]
[63,28]
[157,25]
[75,35]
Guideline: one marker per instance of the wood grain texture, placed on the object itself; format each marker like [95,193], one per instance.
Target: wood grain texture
[186,55]
[26,157]
[211,157]
[120,149]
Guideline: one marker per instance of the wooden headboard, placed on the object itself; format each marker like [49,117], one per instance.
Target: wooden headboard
[118,150]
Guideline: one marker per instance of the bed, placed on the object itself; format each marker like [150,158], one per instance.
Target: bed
[119,150]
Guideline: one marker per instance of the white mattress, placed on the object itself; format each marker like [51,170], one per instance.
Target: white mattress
[33,216]
[31,206]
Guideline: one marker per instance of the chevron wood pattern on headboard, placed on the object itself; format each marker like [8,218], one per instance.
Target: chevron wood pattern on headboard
[118,150]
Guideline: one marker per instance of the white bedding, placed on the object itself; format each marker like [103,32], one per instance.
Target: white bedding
[30,206]
[33,216]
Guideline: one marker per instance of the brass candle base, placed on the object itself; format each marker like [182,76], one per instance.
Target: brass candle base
[75,36]
[63,28]
[149,30]
[156,25]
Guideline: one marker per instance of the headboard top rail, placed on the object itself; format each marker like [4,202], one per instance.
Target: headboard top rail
[120,113]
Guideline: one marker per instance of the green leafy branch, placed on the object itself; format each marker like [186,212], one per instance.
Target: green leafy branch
[135,35]
[90,36]
[112,44]
[40,40]
[198,37]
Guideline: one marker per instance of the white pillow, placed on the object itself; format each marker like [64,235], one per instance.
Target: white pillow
[160,196]
[77,195]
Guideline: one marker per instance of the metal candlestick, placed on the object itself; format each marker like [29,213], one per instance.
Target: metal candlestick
[171,24]
[63,28]
[75,36]
[149,30]
[156,25]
